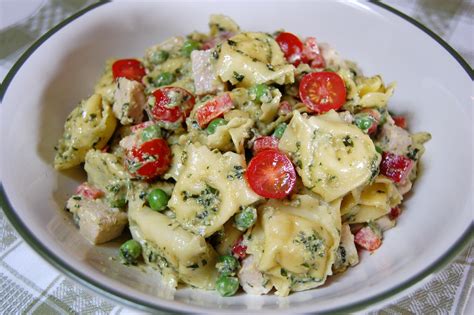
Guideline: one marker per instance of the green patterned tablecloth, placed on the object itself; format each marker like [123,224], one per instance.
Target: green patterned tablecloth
[38,288]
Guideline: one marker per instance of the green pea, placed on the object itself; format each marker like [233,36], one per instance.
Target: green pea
[151,132]
[260,92]
[245,218]
[279,130]
[130,251]
[227,286]
[158,199]
[164,78]
[159,57]
[227,265]
[189,46]
[211,128]
[363,122]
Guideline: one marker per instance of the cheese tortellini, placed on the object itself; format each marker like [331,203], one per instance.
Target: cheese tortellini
[250,58]
[210,189]
[295,241]
[331,156]
[89,126]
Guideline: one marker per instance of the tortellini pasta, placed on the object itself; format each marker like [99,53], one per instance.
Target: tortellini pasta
[331,156]
[232,134]
[179,254]
[89,126]
[210,189]
[250,58]
[370,203]
[295,241]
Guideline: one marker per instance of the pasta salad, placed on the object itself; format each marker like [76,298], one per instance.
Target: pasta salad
[239,160]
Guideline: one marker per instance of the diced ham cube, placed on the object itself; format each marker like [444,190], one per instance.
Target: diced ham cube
[98,222]
[205,78]
[396,167]
[368,239]
[129,101]
[89,192]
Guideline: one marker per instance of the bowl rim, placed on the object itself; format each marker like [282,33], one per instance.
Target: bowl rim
[124,299]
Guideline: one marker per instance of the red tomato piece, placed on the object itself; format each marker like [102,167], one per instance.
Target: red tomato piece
[311,53]
[172,104]
[400,121]
[131,69]
[89,192]
[148,160]
[264,143]
[396,167]
[368,239]
[291,46]
[271,174]
[239,250]
[213,109]
[322,91]
[394,213]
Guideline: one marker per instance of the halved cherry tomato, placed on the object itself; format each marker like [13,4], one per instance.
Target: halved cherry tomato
[311,53]
[271,175]
[239,250]
[171,104]
[396,167]
[148,160]
[131,69]
[291,46]
[400,121]
[213,109]
[264,143]
[89,192]
[322,91]
[368,239]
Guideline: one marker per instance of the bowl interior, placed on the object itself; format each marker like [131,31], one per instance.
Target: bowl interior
[433,91]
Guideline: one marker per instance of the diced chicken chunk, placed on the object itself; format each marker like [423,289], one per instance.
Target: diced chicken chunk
[205,78]
[394,139]
[252,280]
[129,101]
[347,255]
[98,222]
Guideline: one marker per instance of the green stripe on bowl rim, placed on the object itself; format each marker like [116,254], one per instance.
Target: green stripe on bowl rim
[129,301]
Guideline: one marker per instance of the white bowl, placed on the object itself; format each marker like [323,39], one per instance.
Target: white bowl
[434,90]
